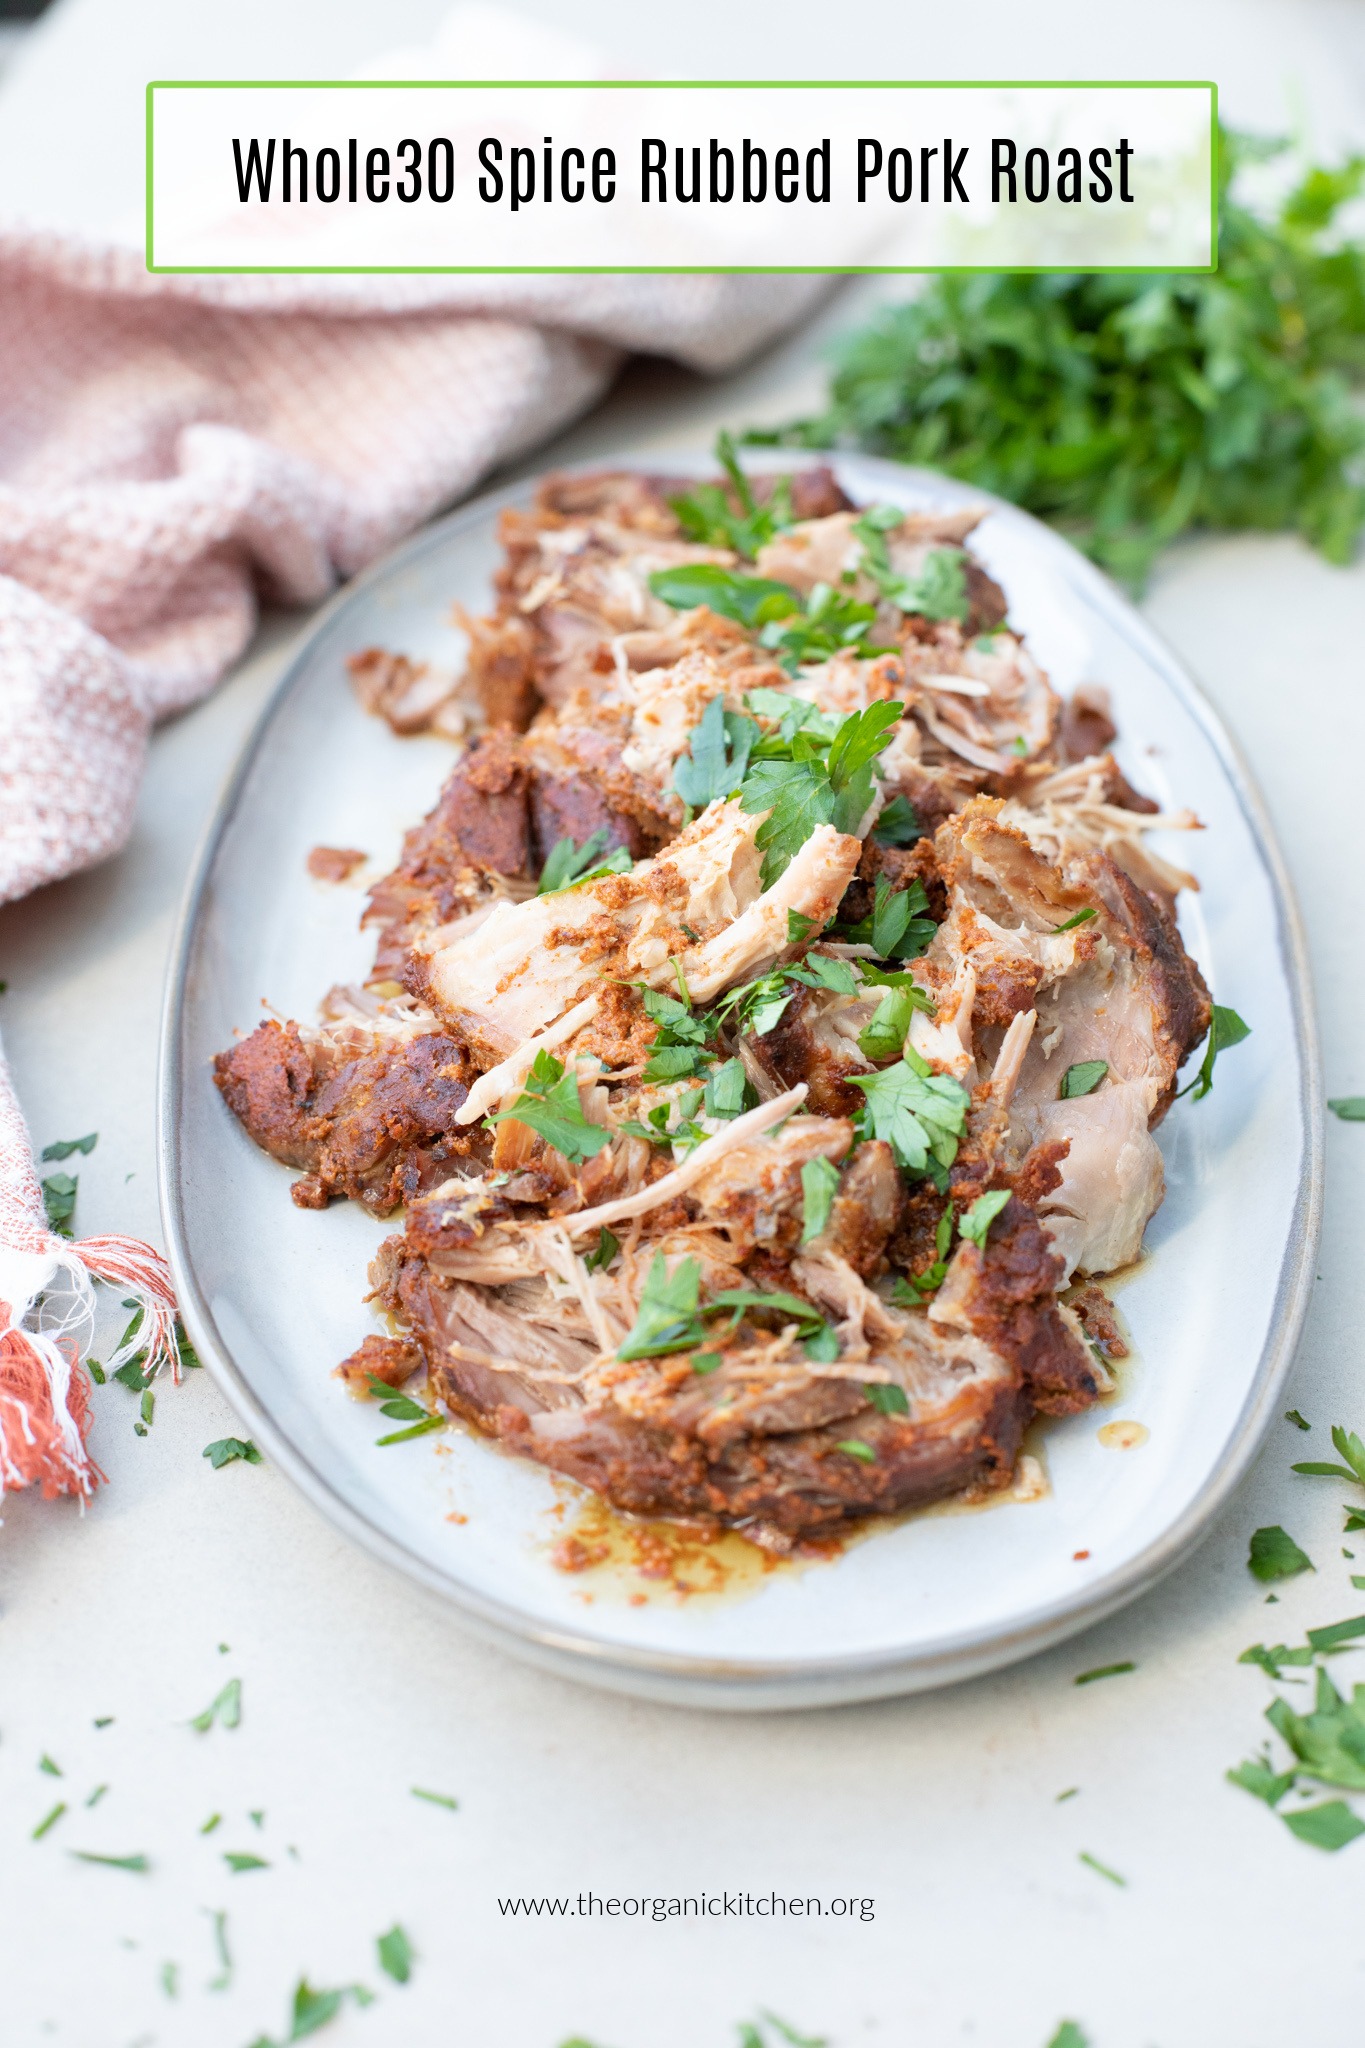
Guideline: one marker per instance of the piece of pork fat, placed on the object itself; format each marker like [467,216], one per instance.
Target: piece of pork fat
[366,1110]
[701,904]
[1117,988]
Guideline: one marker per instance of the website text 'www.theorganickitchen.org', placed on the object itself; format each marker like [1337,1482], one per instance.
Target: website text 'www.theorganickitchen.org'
[697,1906]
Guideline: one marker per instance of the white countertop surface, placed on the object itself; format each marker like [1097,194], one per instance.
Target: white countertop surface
[942,1809]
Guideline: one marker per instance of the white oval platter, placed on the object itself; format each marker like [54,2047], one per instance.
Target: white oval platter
[272,1295]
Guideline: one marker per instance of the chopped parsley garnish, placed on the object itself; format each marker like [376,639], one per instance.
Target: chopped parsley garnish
[829,623]
[1068,2034]
[138,1864]
[59,1202]
[899,824]
[49,1820]
[974,1223]
[924,1284]
[97,1795]
[667,1319]
[727,1092]
[64,1147]
[550,1106]
[1293,1415]
[854,1447]
[1082,1079]
[1104,1671]
[225,1709]
[884,1036]
[1275,1555]
[53,1769]
[887,1398]
[569,866]
[395,1955]
[313,2009]
[1350,1108]
[434,1798]
[717,757]
[402,1408]
[603,1252]
[750,601]
[896,928]
[803,778]
[1352,1451]
[228,1449]
[823,970]
[819,1185]
[238,1861]
[1093,1863]
[1273,1660]
[1081,917]
[707,1361]
[920,1114]
[706,513]
[1225,1029]
[939,588]
[799,927]
[1256,1777]
[1329,1826]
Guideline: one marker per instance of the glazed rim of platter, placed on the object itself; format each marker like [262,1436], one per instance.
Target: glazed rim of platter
[273,1296]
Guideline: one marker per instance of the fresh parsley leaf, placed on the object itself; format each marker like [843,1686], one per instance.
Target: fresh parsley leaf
[59,1202]
[675,1062]
[1274,1660]
[1104,1671]
[1293,1415]
[551,1107]
[1225,1029]
[706,513]
[1261,1782]
[748,600]
[49,1767]
[405,1436]
[797,797]
[823,970]
[854,1447]
[1068,2034]
[1350,1108]
[829,622]
[887,1398]
[819,1185]
[64,1147]
[799,926]
[1180,400]
[1275,1555]
[896,927]
[228,1449]
[920,1114]
[238,1861]
[706,1361]
[898,824]
[1335,1633]
[937,591]
[225,1709]
[1329,1826]
[727,1090]
[1082,1079]
[603,1252]
[884,1036]
[799,789]
[862,736]
[395,1955]
[569,866]
[717,757]
[1081,917]
[974,1223]
[667,1319]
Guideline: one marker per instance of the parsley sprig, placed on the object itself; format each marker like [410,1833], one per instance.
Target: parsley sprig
[1226,1028]
[670,1318]
[938,591]
[919,1113]
[569,866]
[803,776]
[707,512]
[1129,409]
[550,1105]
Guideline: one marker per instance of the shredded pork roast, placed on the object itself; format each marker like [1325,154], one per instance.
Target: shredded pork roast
[768,1023]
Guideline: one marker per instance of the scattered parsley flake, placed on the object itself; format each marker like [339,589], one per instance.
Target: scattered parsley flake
[138,1864]
[718,755]
[551,1107]
[704,1362]
[1081,917]
[1069,2035]
[799,926]
[405,1436]
[1293,1415]
[1104,1671]
[1350,1108]
[1337,1632]
[1225,1029]
[603,1252]
[1352,1451]
[1329,1826]
[898,824]
[974,1223]
[395,1955]
[49,1820]
[667,1319]
[434,1798]
[854,1447]
[1093,1863]
[239,1861]
[64,1147]
[896,928]
[1082,1079]
[751,601]
[1070,1793]
[1275,1555]
[225,1709]
[920,1114]
[1257,1778]
[53,1770]
[104,1721]
[59,1202]
[97,1795]
[819,1185]
[214,1820]
[887,1398]
[569,866]
[228,1449]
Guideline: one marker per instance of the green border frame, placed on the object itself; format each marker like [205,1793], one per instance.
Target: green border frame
[682,85]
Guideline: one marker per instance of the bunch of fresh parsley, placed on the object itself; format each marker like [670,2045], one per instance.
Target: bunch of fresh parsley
[1129,408]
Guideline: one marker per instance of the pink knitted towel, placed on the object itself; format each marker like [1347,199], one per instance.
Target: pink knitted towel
[171,450]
